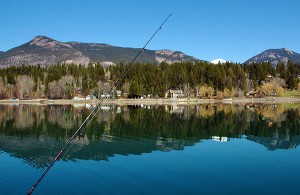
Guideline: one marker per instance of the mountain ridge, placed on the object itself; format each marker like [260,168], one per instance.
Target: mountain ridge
[275,56]
[47,51]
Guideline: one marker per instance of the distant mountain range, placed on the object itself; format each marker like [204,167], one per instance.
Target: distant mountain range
[274,56]
[46,51]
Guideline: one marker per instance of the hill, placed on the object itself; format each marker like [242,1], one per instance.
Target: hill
[47,51]
[274,56]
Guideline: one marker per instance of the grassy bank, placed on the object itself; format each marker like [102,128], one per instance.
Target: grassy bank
[293,93]
[153,101]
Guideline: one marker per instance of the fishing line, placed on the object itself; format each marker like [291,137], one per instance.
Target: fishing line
[90,117]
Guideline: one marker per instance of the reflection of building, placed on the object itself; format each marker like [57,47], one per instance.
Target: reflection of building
[78,105]
[105,107]
[176,109]
[220,139]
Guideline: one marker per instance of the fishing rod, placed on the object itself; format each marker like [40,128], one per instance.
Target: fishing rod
[90,117]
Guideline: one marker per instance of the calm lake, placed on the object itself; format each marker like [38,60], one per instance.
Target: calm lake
[163,149]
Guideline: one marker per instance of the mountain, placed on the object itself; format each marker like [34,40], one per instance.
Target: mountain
[274,56]
[41,50]
[219,60]
[47,51]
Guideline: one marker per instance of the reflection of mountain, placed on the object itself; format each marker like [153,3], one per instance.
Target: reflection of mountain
[34,151]
[39,152]
[36,134]
[273,143]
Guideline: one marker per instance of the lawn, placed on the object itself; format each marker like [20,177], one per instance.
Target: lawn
[294,93]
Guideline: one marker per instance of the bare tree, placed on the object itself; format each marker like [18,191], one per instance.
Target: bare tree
[206,91]
[63,88]
[228,93]
[272,88]
[39,89]
[25,85]
[55,90]
[196,89]
[66,83]
[126,87]
[279,82]
[2,89]
[103,87]
[210,92]
[202,91]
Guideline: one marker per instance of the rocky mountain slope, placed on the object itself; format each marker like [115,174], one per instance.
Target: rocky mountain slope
[46,51]
[274,56]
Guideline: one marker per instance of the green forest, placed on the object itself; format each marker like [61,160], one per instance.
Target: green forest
[195,79]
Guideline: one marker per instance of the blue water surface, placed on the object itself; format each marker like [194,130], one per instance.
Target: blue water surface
[155,152]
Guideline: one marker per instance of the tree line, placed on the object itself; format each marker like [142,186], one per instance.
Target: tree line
[195,79]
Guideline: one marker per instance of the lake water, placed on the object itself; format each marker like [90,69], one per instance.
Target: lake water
[168,149]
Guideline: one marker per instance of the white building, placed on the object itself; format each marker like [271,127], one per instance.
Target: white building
[174,93]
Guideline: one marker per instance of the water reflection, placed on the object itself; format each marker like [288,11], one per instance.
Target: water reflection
[36,133]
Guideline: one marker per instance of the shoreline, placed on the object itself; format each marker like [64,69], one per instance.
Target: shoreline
[152,101]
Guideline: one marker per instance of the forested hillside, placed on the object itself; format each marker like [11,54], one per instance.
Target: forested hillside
[199,79]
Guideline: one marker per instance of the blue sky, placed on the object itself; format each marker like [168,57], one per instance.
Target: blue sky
[234,30]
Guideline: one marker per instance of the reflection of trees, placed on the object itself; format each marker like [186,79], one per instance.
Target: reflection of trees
[273,112]
[61,115]
[36,133]
[287,123]
[158,122]
[204,121]
[181,121]
[34,119]
[291,123]
[282,134]
[23,116]
[126,114]
[5,115]
[206,111]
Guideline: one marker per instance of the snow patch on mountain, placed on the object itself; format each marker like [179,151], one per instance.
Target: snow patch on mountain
[219,60]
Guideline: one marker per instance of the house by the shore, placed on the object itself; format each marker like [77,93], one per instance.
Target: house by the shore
[174,93]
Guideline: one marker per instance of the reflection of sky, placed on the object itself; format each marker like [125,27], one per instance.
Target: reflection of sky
[238,166]
[16,176]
